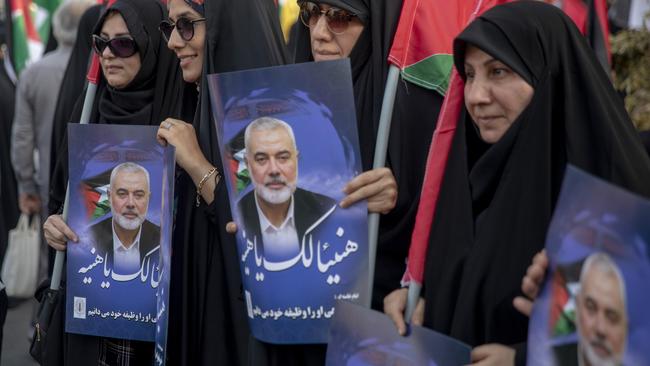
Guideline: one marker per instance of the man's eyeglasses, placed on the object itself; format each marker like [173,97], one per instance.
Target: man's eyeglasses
[120,46]
[184,26]
[337,19]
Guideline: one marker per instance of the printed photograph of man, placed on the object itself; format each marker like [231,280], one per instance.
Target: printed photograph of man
[127,237]
[602,319]
[276,213]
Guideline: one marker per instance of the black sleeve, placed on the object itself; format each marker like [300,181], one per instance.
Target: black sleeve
[59,178]
[219,195]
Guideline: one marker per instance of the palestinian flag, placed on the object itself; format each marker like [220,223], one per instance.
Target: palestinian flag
[94,191]
[565,285]
[422,49]
[240,175]
[30,29]
[563,309]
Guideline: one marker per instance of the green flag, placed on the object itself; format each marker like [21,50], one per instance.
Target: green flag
[31,23]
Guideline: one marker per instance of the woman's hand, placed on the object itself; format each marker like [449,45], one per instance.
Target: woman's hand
[29,203]
[378,186]
[182,136]
[493,354]
[231,227]
[395,305]
[531,283]
[189,156]
[57,232]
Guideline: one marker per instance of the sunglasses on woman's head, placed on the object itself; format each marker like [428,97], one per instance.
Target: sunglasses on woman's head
[122,47]
[337,19]
[184,26]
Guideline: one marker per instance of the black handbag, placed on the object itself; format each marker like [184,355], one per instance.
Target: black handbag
[47,342]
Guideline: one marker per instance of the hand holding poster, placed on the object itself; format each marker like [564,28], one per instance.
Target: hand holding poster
[289,145]
[593,307]
[121,185]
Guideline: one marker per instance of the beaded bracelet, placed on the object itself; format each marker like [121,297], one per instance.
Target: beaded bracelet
[200,186]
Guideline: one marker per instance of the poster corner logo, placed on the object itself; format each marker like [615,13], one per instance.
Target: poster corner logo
[79,308]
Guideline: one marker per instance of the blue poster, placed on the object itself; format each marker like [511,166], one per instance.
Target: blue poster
[289,145]
[592,309]
[119,188]
[364,337]
[162,293]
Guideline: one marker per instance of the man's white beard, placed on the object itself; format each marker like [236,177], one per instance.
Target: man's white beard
[593,358]
[126,223]
[275,196]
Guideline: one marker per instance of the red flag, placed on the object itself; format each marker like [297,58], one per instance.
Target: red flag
[416,45]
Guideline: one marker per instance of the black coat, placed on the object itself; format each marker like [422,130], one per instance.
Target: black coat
[414,119]
[207,320]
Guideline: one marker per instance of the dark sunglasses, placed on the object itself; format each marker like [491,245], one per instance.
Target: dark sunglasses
[338,20]
[184,26]
[120,46]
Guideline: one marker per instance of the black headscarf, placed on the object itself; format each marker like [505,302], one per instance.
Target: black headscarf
[74,79]
[496,201]
[414,116]
[208,321]
[153,95]
[136,101]
[368,62]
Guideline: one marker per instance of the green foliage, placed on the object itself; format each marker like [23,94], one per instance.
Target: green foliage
[631,62]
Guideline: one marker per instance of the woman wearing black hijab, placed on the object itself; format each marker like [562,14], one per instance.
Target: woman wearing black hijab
[139,84]
[151,96]
[365,37]
[414,115]
[208,322]
[506,167]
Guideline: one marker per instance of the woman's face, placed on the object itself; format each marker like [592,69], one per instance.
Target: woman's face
[118,71]
[326,45]
[495,95]
[190,53]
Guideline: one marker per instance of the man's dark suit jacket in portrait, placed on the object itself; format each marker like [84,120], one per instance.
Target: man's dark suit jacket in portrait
[102,238]
[309,210]
[566,354]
